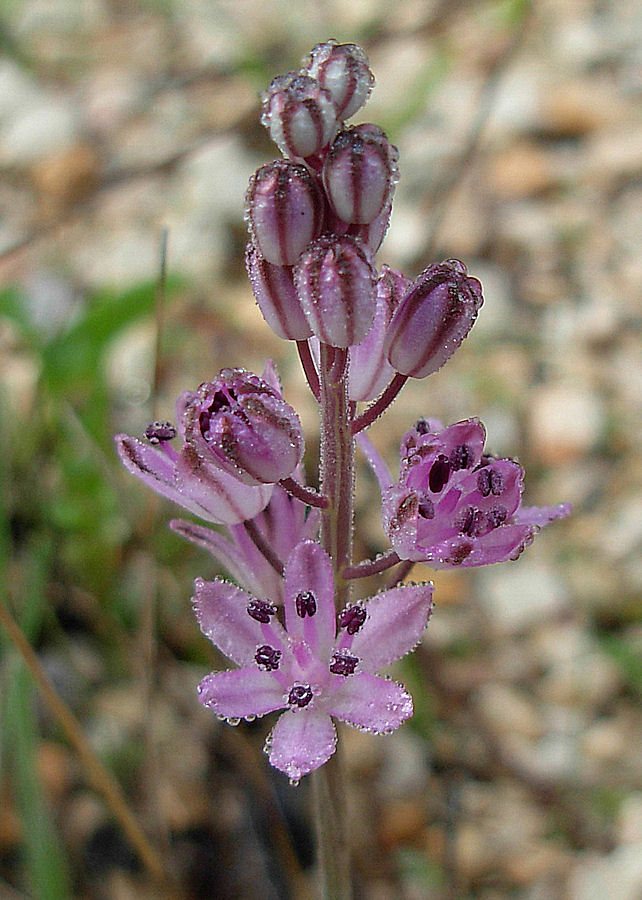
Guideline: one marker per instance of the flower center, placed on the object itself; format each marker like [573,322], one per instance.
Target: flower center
[300,695]
[267,658]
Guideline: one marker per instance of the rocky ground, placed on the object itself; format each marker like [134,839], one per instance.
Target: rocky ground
[520,143]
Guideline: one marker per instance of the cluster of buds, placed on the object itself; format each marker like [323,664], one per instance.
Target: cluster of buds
[316,218]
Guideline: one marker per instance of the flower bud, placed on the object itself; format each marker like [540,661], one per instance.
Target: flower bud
[344,71]
[433,319]
[299,114]
[244,426]
[370,371]
[284,211]
[274,291]
[359,173]
[336,284]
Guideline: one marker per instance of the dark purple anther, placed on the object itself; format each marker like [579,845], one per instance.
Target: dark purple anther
[336,284]
[426,508]
[462,457]
[284,210]
[299,114]
[496,516]
[344,71]
[439,474]
[261,610]
[352,618]
[343,663]
[422,427]
[300,695]
[433,319]
[490,481]
[245,425]
[276,296]
[306,604]
[267,658]
[159,432]
[359,173]
[472,522]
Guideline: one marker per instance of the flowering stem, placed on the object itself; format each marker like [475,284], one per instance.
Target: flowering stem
[307,495]
[371,566]
[400,574]
[380,405]
[309,368]
[263,547]
[337,477]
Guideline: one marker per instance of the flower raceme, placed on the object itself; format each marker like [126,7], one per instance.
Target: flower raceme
[316,219]
[317,667]
[456,506]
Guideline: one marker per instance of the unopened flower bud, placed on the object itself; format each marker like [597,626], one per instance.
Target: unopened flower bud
[274,291]
[284,211]
[336,284]
[433,319]
[344,70]
[359,173]
[299,114]
[245,426]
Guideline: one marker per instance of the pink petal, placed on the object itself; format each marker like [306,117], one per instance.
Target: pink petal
[226,499]
[156,470]
[221,611]
[370,702]
[396,620]
[239,693]
[301,741]
[309,569]
[541,515]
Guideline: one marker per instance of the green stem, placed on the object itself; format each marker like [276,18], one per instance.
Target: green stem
[337,484]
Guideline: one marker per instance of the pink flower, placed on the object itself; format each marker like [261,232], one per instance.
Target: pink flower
[318,666]
[455,506]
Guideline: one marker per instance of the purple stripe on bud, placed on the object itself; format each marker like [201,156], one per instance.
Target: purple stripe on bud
[336,284]
[299,114]
[274,291]
[284,211]
[359,173]
[433,319]
[344,70]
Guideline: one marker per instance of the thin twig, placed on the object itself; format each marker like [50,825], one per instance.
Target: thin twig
[380,405]
[307,495]
[309,368]
[101,778]
[371,566]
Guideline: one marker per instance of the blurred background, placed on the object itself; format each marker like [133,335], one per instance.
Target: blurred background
[520,152]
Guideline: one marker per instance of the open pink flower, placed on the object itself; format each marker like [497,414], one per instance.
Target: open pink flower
[456,506]
[318,666]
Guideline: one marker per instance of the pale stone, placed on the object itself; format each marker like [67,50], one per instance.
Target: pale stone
[565,421]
